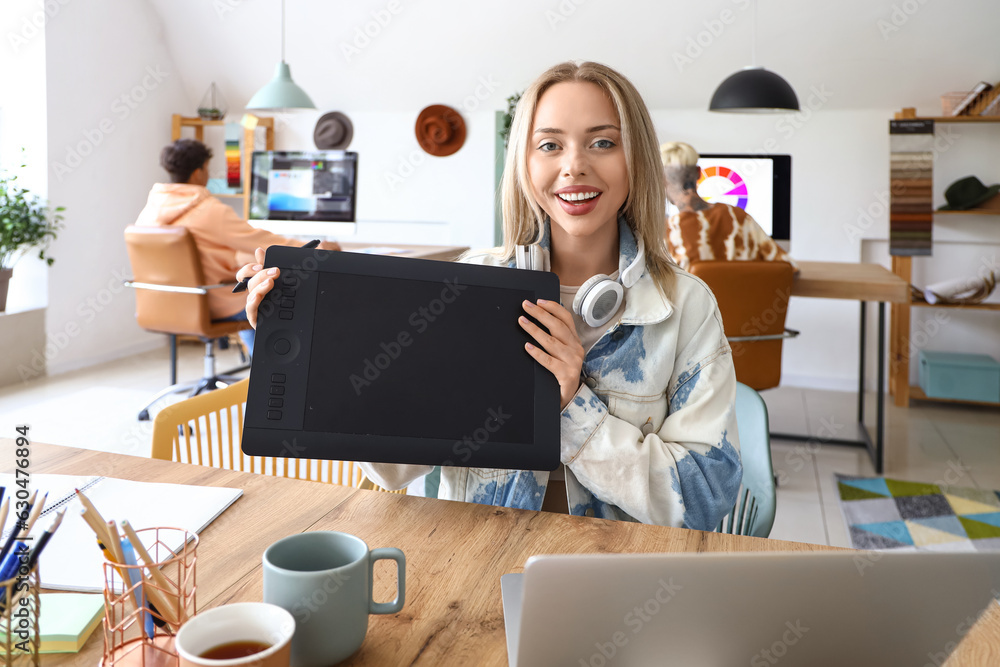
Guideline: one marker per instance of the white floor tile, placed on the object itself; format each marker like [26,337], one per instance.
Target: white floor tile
[799,521]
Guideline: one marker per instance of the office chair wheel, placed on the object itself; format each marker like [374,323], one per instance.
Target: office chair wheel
[144,416]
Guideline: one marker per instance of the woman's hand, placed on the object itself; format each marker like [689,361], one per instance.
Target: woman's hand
[260,284]
[561,351]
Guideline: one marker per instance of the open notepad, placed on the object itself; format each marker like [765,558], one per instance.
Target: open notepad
[72,561]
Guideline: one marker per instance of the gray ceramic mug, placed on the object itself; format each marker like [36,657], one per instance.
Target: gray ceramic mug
[324,578]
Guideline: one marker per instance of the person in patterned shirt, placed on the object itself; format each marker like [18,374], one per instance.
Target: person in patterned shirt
[701,231]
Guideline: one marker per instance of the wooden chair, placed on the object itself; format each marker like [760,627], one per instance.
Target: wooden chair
[172,298]
[206,430]
[753,300]
[753,513]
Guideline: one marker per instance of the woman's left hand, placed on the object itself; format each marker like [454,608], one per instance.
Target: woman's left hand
[561,351]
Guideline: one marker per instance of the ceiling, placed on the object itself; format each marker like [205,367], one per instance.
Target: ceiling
[862,54]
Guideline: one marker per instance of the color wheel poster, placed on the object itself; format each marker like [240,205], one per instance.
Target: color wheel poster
[746,183]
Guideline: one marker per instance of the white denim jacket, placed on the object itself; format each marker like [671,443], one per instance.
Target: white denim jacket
[651,434]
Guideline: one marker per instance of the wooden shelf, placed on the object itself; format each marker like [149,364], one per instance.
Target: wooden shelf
[918,394]
[977,211]
[954,119]
[975,306]
[196,121]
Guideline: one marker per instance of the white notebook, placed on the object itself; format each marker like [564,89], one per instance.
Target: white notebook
[72,560]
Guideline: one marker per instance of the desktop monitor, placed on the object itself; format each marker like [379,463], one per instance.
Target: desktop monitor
[759,184]
[302,193]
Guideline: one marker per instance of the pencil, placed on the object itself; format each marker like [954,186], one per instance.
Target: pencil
[4,508]
[161,590]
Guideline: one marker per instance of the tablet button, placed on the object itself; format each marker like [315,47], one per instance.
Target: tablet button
[288,291]
[277,390]
[275,402]
[287,303]
[281,346]
[274,414]
[277,377]
[285,314]
[288,281]
[590,382]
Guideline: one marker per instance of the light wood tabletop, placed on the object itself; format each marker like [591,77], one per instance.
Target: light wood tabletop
[849,280]
[456,553]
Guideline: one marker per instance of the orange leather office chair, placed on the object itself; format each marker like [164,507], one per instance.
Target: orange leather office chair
[753,299]
[172,298]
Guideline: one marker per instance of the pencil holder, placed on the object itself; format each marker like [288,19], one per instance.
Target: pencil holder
[145,604]
[19,634]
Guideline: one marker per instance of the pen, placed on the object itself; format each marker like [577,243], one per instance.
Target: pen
[135,580]
[242,285]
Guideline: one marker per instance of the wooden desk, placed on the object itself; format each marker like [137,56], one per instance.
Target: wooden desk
[847,280]
[864,283]
[445,253]
[455,554]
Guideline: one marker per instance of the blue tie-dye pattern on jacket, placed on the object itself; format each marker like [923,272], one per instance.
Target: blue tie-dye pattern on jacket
[518,488]
[686,383]
[706,504]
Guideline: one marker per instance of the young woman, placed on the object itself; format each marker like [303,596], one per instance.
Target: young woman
[648,431]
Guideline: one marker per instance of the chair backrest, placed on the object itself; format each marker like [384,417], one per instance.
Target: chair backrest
[753,300]
[206,430]
[167,256]
[754,510]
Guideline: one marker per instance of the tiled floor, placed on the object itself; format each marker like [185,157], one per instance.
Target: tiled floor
[96,408]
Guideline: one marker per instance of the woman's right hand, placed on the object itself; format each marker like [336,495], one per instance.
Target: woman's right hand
[260,284]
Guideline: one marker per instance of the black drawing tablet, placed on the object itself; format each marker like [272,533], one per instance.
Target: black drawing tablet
[369,358]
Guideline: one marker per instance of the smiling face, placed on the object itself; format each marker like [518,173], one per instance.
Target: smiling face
[576,161]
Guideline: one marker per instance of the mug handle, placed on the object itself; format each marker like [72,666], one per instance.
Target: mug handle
[387,553]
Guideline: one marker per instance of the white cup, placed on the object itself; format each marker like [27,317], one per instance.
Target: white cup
[238,622]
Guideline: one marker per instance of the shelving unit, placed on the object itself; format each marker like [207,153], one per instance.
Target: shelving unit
[250,125]
[899,318]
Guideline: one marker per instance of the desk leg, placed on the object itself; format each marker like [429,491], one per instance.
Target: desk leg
[880,408]
[861,364]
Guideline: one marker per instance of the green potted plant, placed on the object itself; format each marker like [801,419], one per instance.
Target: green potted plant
[26,223]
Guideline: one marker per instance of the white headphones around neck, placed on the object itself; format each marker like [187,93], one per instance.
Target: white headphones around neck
[599,298]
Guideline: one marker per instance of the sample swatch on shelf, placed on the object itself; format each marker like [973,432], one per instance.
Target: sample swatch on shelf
[911,211]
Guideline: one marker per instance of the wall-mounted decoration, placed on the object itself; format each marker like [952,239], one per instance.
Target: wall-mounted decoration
[333,132]
[440,130]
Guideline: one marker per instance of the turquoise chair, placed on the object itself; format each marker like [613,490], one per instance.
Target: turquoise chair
[753,513]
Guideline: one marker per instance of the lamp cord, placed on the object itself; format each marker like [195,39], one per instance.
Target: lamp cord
[282,30]
[753,36]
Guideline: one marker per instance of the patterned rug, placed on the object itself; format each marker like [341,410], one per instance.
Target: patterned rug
[884,513]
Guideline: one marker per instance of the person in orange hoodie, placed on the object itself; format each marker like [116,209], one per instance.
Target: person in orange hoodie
[219,234]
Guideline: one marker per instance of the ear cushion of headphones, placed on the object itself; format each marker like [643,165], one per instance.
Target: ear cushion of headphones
[598,300]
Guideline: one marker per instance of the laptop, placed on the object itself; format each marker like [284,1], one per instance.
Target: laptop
[758,609]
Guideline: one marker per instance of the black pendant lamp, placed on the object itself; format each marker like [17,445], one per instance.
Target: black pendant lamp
[754,89]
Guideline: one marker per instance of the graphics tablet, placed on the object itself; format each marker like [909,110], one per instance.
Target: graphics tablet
[389,359]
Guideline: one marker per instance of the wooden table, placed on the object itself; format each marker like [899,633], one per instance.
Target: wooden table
[864,283]
[455,554]
[445,253]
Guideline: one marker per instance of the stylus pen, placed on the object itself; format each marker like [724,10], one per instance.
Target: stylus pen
[242,285]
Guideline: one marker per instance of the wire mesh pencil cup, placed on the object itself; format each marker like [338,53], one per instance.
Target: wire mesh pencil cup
[19,636]
[145,606]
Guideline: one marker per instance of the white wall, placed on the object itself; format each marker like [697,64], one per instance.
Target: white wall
[112,87]
[441,52]
[23,126]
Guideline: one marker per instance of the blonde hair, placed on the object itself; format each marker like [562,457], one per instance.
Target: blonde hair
[676,153]
[644,208]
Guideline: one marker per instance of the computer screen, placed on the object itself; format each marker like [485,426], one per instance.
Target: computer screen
[759,184]
[303,187]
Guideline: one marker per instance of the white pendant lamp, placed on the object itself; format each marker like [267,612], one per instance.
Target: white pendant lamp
[280,92]
[754,89]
